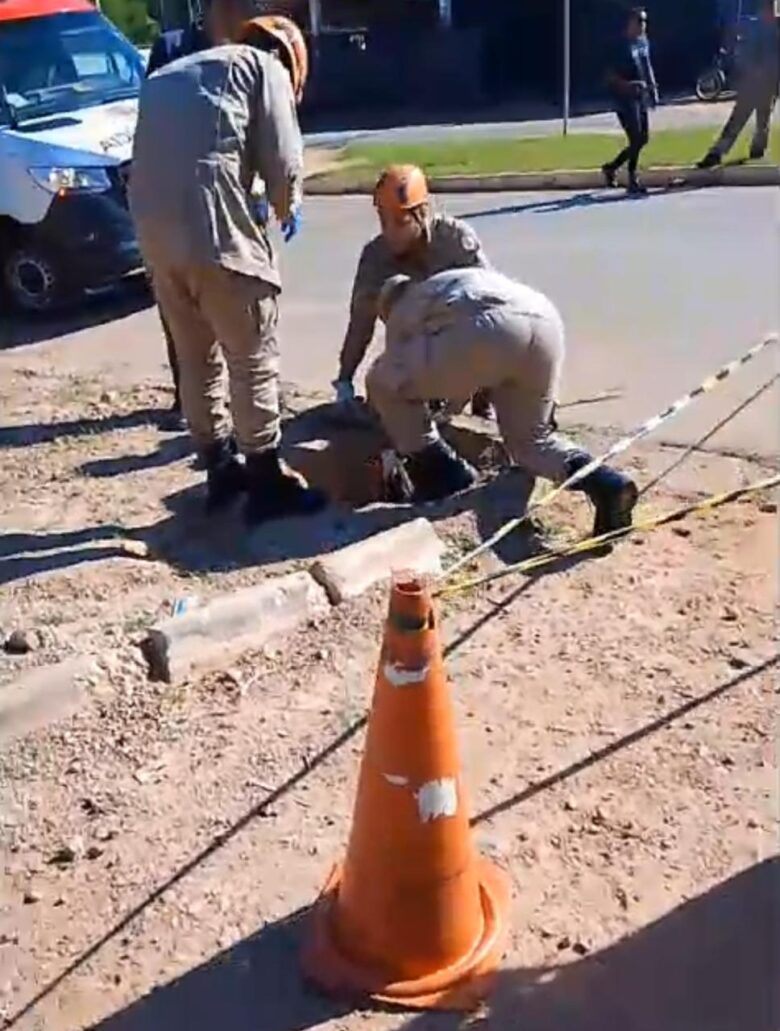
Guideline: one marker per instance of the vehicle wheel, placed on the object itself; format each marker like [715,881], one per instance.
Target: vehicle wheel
[710,85]
[31,278]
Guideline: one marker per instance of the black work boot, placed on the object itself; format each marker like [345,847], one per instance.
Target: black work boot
[437,472]
[275,491]
[710,160]
[613,493]
[226,476]
[610,175]
[636,188]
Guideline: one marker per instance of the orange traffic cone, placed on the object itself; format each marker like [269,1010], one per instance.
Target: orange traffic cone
[414,917]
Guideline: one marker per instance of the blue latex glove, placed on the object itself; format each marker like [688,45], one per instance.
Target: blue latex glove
[292,225]
[345,392]
[259,208]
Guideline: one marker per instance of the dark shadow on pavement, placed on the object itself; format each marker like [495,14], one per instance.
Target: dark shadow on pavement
[711,964]
[547,207]
[44,433]
[254,986]
[127,298]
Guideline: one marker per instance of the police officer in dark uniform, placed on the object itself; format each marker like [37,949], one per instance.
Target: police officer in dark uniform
[631,81]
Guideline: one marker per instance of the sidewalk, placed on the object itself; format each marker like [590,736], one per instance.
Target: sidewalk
[520,120]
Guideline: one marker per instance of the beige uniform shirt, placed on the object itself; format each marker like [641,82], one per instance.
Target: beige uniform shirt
[457,301]
[208,125]
[453,244]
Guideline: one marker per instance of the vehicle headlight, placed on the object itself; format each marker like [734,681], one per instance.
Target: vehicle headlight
[71,180]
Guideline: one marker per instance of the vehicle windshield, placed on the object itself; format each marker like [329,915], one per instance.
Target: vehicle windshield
[61,63]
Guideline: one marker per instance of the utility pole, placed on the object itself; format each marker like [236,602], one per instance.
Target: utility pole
[566,65]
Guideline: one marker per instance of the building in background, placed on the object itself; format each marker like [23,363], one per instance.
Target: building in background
[433,55]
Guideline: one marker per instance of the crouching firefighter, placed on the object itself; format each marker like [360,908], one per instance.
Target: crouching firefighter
[208,124]
[471,329]
[414,240]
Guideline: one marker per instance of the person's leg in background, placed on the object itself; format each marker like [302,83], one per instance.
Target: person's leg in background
[244,313]
[744,106]
[639,140]
[764,106]
[201,381]
[627,117]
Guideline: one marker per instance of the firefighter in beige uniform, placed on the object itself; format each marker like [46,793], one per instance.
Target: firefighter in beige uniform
[209,123]
[466,329]
[413,241]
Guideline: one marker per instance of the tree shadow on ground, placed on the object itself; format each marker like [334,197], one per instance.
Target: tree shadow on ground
[254,985]
[45,433]
[27,554]
[193,542]
[541,979]
[125,299]
[169,451]
[708,965]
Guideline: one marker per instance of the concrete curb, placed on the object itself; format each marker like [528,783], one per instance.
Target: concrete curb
[412,547]
[231,624]
[228,625]
[328,185]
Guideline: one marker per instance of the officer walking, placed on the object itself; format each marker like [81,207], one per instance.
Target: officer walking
[632,83]
[208,125]
[757,87]
[413,241]
[469,328]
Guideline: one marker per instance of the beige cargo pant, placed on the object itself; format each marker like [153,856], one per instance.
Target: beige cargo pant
[516,356]
[209,308]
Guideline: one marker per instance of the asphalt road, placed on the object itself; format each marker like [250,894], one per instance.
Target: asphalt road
[656,293]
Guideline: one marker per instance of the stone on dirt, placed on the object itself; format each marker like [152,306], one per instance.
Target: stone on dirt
[20,642]
[43,696]
[221,630]
[412,547]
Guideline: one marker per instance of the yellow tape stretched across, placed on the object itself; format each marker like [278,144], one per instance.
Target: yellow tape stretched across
[531,565]
[648,427]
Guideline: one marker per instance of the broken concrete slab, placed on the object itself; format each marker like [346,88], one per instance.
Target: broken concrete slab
[42,696]
[414,547]
[229,625]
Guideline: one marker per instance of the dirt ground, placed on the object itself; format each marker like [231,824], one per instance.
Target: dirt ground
[160,848]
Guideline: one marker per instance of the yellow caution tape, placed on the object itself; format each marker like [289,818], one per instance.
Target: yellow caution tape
[531,565]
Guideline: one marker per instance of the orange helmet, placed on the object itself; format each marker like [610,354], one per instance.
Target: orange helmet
[401,188]
[284,32]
